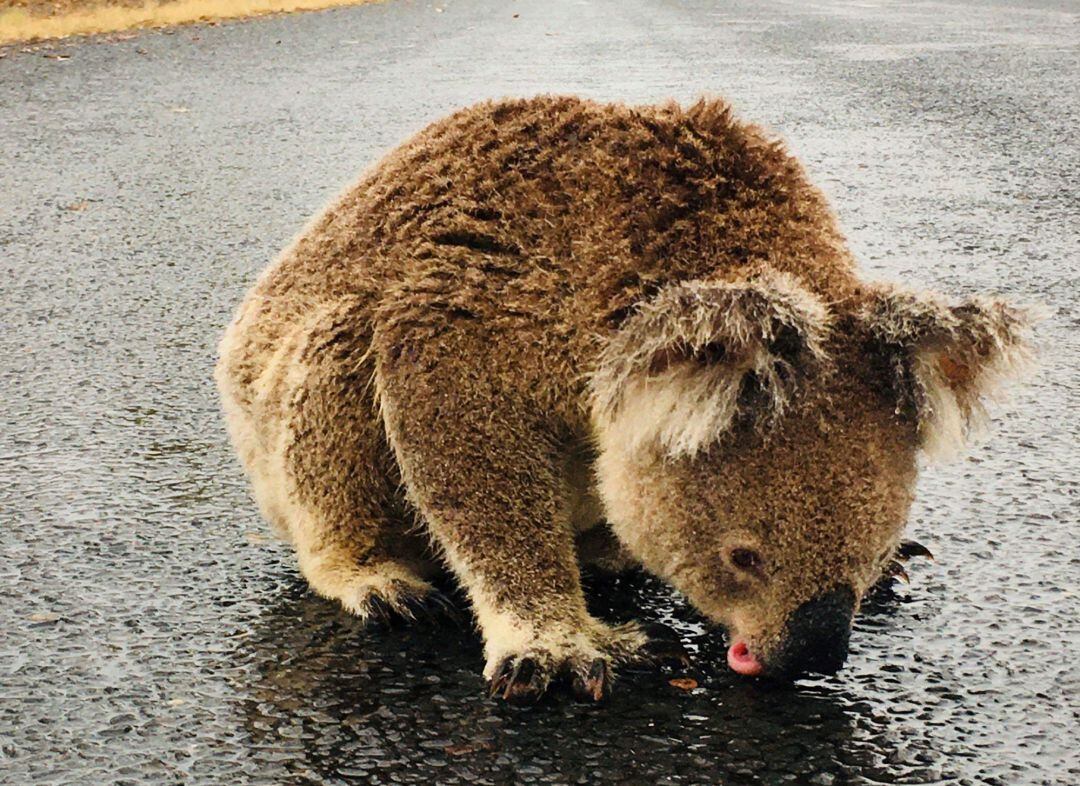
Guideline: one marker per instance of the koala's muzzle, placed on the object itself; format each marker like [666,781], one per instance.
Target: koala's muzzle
[816,636]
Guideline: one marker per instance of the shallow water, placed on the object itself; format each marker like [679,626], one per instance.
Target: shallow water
[154,632]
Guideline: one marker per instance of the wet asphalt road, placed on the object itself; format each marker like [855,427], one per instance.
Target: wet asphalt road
[151,631]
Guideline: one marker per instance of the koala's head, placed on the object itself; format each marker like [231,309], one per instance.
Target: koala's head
[758,449]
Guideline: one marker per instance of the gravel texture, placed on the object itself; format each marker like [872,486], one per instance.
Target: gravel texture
[151,629]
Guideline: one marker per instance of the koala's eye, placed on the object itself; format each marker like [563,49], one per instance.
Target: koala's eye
[746,559]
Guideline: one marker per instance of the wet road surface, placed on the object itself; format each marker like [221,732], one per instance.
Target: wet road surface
[151,629]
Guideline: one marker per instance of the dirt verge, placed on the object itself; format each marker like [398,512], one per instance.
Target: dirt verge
[38,20]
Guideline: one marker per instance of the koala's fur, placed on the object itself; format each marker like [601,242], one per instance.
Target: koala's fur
[538,316]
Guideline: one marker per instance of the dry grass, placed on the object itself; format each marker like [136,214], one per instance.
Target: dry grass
[44,19]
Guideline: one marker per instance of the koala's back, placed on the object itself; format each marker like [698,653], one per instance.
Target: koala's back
[551,216]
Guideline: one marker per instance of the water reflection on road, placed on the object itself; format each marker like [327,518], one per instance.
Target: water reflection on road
[322,694]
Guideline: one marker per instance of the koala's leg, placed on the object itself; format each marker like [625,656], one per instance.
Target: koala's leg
[483,468]
[337,486]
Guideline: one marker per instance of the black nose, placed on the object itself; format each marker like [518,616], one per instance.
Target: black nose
[817,634]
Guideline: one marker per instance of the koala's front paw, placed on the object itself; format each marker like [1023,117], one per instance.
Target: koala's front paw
[524,678]
[583,662]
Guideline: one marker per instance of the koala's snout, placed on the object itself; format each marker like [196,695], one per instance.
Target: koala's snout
[816,636]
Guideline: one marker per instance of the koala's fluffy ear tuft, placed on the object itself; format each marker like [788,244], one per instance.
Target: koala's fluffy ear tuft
[943,360]
[698,354]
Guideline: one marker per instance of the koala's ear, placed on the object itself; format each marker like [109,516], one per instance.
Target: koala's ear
[942,360]
[687,362]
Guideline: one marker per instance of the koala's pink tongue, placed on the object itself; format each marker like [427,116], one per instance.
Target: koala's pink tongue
[740,660]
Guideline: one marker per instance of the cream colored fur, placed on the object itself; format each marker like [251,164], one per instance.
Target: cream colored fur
[950,359]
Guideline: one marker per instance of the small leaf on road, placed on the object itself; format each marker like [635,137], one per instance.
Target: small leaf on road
[683,683]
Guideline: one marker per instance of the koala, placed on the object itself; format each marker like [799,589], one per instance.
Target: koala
[551,332]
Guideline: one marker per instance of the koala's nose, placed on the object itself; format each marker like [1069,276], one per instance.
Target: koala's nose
[817,634]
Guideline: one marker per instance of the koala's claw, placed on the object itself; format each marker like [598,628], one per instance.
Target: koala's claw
[587,672]
[663,647]
[433,607]
[594,684]
[911,548]
[404,602]
[894,570]
[381,609]
[519,680]
[523,679]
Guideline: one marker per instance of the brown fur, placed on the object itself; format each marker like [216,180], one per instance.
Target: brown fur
[539,313]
